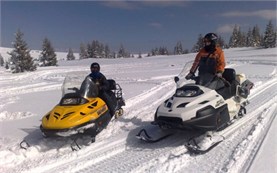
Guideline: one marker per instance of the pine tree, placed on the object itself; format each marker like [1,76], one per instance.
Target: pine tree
[83,52]
[220,41]
[70,55]
[242,39]
[48,56]
[269,36]
[199,44]
[95,47]
[1,60]
[235,37]
[163,51]
[139,55]
[249,39]
[89,51]
[107,51]
[256,36]
[178,49]
[20,55]
[121,52]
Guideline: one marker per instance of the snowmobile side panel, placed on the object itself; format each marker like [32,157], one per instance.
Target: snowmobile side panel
[91,128]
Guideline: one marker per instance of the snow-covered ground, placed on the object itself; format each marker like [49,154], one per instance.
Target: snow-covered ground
[146,82]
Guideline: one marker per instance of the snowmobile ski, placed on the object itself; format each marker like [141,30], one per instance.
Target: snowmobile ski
[203,143]
[143,135]
[24,145]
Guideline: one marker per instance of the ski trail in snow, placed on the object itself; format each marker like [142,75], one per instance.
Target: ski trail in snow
[123,158]
[238,132]
[143,101]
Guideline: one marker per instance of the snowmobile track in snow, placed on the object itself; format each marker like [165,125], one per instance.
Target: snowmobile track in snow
[116,154]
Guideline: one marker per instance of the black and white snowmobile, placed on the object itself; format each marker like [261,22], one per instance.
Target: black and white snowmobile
[208,107]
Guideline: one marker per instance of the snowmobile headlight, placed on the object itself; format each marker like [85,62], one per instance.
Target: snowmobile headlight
[73,101]
[186,93]
[102,110]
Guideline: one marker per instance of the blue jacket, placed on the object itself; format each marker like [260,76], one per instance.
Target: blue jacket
[100,79]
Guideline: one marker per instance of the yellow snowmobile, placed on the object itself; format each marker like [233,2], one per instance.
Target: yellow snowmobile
[80,110]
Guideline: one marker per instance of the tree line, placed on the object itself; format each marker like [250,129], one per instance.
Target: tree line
[20,59]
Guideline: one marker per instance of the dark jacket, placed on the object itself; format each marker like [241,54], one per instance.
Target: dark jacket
[100,80]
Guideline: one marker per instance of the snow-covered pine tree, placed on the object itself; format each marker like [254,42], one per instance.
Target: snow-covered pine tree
[235,37]
[95,47]
[107,52]
[139,55]
[249,39]
[1,60]
[121,52]
[163,51]
[178,49]
[199,44]
[83,52]
[270,36]
[48,56]
[89,50]
[256,36]
[220,41]
[20,55]
[101,52]
[70,55]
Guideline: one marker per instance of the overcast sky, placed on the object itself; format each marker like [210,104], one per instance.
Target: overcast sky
[139,25]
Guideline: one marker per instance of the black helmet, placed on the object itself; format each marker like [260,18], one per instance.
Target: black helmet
[96,66]
[212,37]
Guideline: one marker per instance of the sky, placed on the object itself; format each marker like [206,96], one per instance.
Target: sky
[138,25]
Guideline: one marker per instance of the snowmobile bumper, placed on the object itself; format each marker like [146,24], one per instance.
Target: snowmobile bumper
[91,128]
[206,119]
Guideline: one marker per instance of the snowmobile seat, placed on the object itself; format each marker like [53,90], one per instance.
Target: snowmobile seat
[230,76]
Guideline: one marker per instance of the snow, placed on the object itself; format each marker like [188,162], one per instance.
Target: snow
[146,82]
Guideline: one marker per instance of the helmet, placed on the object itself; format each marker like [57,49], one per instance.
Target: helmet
[95,67]
[212,37]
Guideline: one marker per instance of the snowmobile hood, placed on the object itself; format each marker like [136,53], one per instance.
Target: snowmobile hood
[69,116]
[186,107]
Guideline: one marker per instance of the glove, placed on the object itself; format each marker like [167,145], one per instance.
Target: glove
[189,76]
[219,75]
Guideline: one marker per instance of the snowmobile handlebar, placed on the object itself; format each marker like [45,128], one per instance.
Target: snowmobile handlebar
[74,89]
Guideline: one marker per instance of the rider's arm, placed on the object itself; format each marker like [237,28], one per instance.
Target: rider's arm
[220,62]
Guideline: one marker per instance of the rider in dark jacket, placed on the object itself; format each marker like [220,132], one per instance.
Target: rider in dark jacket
[103,86]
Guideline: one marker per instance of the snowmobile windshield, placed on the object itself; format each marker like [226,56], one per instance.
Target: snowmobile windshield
[89,89]
[185,70]
[71,84]
[79,87]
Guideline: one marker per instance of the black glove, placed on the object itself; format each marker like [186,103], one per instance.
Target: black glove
[219,74]
[189,76]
